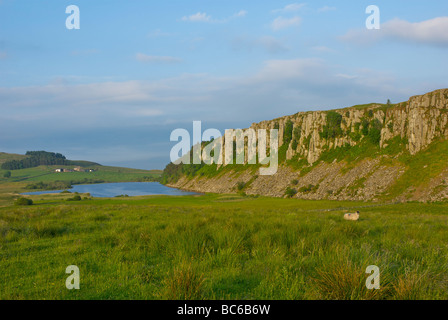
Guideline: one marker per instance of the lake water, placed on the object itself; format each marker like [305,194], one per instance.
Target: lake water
[108,190]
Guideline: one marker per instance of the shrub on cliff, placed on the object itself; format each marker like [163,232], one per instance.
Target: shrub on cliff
[333,127]
[375,131]
[290,192]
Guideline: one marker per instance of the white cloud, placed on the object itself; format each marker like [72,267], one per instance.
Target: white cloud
[287,84]
[136,113]
[282,23]
[293,7]
[240,14]
[430,32]
[434,31]
[156,59]
[141,114]
[203,17]
[198,17]
[326,9]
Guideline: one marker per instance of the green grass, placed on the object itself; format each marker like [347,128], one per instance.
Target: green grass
[221,247]
[109,174]
[5,157]
[378,106]
[46,174]
[421,168]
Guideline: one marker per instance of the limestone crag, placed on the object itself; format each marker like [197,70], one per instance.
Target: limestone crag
[418,122]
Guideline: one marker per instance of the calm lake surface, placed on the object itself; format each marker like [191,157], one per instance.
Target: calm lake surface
[108,190]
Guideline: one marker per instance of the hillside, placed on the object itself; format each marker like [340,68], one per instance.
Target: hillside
[44,177]
[6,157]
[34,159]
[379,152]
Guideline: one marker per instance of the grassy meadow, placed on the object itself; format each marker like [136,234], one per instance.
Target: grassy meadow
[23,178]
[221,247]
[47,174]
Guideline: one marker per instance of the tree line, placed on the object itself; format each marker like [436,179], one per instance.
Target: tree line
[44,158]
[35,159]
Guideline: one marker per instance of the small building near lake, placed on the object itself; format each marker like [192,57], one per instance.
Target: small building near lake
[77,169]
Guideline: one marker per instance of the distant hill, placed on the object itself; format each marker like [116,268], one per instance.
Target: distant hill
[45,176]
[34,159]
[383,152]
[5,157]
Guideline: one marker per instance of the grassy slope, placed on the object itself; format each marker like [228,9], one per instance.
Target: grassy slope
[21,178]
[421,168]
[5,157]
[108,174]
[221,246]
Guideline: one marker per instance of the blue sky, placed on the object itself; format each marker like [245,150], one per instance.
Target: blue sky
[113,91]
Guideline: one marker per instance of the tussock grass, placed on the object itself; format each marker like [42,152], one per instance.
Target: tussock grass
[183,283]
[204,248]
[342,276]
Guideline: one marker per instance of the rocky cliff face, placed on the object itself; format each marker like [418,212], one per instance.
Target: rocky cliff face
[416,124]
[419,120]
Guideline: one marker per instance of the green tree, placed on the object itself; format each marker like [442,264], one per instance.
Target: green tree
[7,174]
[290,192]
[297,134]
[365,127]
[287,132]
[375,131]
[35,159]
[75,198]
[333,127]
